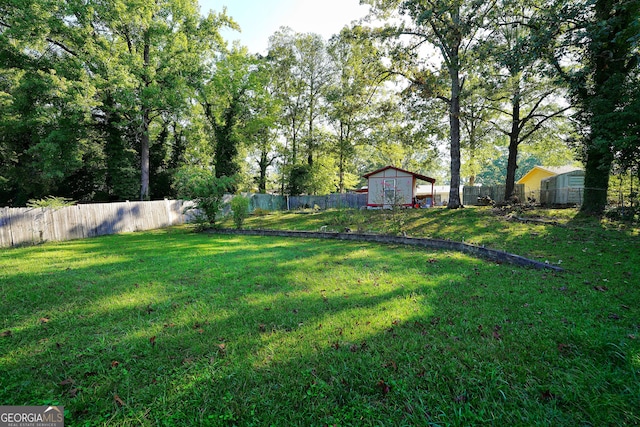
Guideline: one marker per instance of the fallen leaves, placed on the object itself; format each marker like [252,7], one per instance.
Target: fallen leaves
[6,334]
[66,382]
[383,387]
[118,400]
[152,341]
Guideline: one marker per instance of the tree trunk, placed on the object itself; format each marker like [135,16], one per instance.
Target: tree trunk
[262,179]
[608,55]
[144,157]
[144,137]
[596,179]
[514,141]
[454,121]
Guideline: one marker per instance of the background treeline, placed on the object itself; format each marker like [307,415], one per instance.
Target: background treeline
[124,99]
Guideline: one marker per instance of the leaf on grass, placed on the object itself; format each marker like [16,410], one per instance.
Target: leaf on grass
[118,401]
[601,288]
[391,364]
[68,381]
[335,345]
[496,335]
[383,387]
[222,349]
[114,363]
[547,395]
[44,320]
[5,334]
[73,392]
[152,340]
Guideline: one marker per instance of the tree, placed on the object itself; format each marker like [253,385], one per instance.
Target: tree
[351,97]
[158,49]
[260,131]
[521,91]
[47,99]
[225,101]
[109,73]
[604,35]
[453,28]
[303,68]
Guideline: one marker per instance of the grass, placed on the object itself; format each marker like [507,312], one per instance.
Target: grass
[172,327]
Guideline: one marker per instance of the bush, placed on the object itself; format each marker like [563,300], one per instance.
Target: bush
[205,190]
[50,202]
[240,208]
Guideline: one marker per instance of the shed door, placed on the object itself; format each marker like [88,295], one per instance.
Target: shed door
[389,186]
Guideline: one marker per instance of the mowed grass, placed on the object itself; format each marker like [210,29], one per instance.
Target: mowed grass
[172,327]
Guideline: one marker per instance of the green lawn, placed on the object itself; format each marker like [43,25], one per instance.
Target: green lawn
[172,327]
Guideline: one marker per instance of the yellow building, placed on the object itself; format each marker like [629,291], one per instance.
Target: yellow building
[534,177]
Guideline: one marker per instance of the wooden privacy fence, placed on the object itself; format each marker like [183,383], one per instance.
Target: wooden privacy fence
[20,226]
[25,226]
[496,192]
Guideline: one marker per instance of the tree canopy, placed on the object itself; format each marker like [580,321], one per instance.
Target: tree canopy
[119,99]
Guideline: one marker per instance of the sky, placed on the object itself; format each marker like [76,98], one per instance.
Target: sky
[259,19]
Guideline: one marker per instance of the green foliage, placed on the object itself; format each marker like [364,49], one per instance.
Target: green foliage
[205,190]
[240,208]
[50,202]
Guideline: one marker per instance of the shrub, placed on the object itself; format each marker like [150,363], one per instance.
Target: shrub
[240,208]
[205,190]
[50,202]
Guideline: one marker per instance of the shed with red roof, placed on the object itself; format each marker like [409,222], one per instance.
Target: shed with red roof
[391,186]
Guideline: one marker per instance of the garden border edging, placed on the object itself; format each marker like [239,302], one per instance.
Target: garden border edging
[477,251]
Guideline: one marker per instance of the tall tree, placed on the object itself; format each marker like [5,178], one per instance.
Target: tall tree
[225,99]
[304,71]
[603,34]
[158,49]
[120,65]
[351,97]
[522,93]
[453,27]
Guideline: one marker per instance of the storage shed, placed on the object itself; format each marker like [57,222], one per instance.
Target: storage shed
[563,189]
[532,180]
[391,186]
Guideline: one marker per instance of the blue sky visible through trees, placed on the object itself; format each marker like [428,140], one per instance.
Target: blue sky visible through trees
[259,19]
